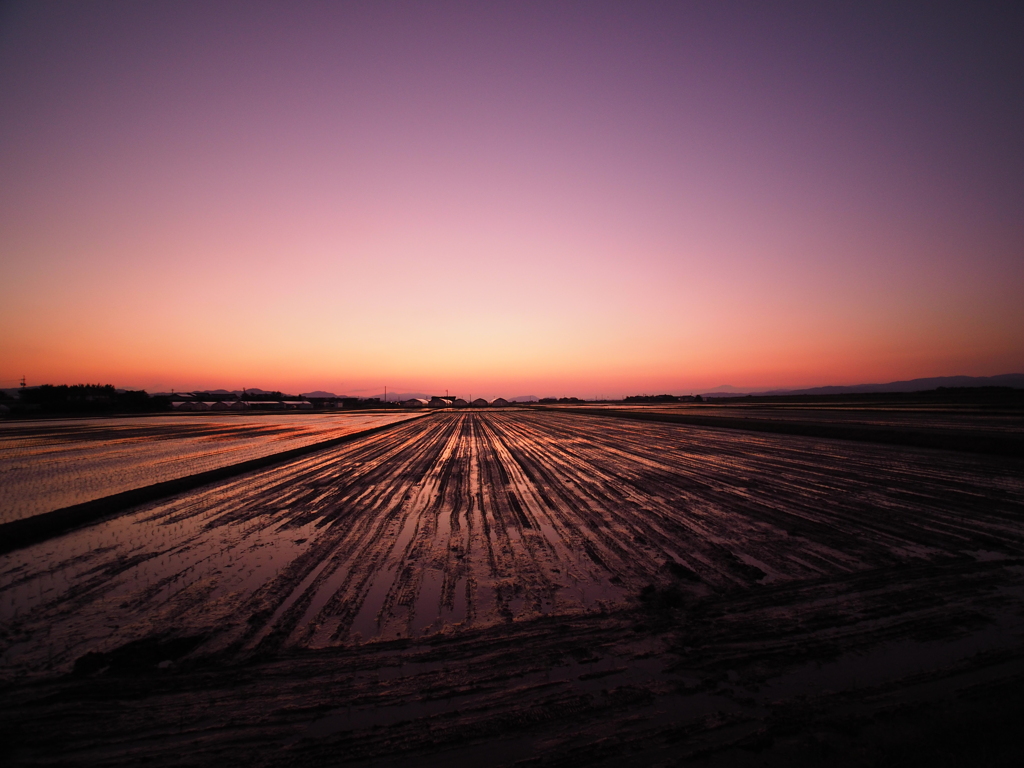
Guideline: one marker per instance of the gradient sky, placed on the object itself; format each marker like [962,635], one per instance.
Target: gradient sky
[510,198]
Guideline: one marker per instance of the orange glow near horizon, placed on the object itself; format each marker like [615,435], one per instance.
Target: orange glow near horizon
[363,202]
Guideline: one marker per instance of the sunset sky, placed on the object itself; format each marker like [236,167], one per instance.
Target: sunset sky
[509,198]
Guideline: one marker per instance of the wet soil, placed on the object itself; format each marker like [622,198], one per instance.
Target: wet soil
[992,430]
[51,464]
[531,587]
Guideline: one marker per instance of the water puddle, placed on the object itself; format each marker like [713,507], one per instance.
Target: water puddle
[366,624]
[326,591]
[288,602]
[457,613]
[428,602]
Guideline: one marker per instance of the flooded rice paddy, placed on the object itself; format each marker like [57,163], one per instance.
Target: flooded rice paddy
[965,419]
[524,585]
[461,521]
[50,464]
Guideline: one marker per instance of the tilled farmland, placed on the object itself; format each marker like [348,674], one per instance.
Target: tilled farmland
[529,575]
[46,465]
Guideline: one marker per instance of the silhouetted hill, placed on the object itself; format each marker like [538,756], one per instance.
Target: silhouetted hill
[397,397]
[1015,380]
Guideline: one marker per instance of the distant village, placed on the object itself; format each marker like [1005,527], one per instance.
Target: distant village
[230,401]
[48,399]
[201,401]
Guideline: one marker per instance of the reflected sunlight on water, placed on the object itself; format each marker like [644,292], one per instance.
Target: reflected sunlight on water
[47,465]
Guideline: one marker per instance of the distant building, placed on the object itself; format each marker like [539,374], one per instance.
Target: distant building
[266,405]
[415,402]
[481,402]
[221,405]
[500,402]
[459,402]
[190,405]
[440,402]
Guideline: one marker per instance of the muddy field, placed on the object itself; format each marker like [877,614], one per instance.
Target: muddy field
[987,428]
[973,419]
[521,585]
[49,464]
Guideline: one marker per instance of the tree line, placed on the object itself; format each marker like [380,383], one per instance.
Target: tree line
[84,399]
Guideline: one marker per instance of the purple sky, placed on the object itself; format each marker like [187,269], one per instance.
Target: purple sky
[508,198]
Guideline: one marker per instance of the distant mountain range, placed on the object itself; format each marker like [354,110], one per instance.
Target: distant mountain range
[1015,380]
[258,391]
[397,397]
[248,391]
